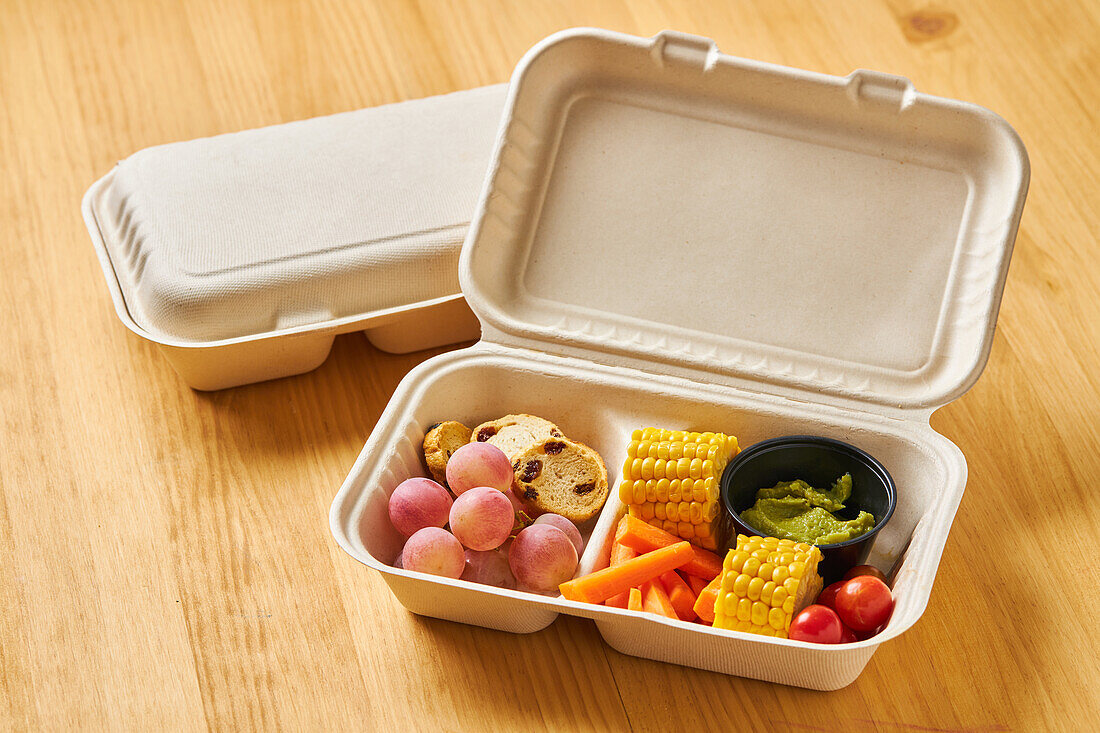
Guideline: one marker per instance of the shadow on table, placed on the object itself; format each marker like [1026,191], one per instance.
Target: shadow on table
[335,405]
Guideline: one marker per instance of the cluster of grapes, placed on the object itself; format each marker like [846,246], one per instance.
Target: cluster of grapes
[483,515]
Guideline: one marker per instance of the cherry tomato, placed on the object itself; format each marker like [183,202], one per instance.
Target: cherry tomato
[816,623]
[864,603]
[827,597]
[864,570]
[847,636]
[868,634]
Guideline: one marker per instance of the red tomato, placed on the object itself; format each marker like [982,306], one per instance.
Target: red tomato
[864,570]
[847,636]
[864,603]
[816,623]
[827,597]
[868,634]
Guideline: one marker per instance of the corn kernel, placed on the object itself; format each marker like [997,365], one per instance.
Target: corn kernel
[777,619]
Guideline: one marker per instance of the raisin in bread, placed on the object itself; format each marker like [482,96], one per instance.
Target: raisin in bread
[561,476]
[440,442]
[514,434]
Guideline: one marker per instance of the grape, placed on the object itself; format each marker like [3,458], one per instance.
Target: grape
[570,529]
[482,518]
[523,514]
[434,550]
[478,464]
[542,557]
[417,503]
[489,567]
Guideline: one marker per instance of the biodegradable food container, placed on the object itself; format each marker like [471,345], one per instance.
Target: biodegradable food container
[670,236]
[243,255]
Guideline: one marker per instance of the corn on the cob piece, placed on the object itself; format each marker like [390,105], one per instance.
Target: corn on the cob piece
[765,582]
[671,480]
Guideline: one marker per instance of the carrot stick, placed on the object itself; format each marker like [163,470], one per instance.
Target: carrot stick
[655,600]
[642,537]
[619,555]
[697,584]
[704,604]
[680,595]
[597,587]
[635,602]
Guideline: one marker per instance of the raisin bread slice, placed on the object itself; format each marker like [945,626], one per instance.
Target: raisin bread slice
[561,476]
[440,442]
[514,434]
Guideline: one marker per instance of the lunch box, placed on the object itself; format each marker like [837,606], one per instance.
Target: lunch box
[672,237]
[243,255]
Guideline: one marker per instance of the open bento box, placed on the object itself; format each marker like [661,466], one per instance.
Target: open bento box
[670,236]
[242,255]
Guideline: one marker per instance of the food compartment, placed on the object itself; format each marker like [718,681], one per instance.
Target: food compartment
[602,406]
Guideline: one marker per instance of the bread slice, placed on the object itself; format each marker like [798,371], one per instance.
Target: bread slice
[440,442]
[561,476]
[514,434]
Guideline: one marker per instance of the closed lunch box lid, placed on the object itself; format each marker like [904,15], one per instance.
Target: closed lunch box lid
[296,226]
[653,201]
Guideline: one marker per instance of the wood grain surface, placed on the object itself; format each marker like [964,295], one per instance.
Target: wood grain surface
[165,556]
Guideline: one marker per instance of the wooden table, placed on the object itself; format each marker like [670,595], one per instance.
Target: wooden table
[167,561]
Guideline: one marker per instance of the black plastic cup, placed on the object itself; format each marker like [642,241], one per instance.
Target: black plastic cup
[819,462]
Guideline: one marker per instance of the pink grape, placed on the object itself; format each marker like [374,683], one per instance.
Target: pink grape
[542,557]
[489,567]
[570,529]
[436,551]
[417,503]
[522,513]
[478,464]
[482,518]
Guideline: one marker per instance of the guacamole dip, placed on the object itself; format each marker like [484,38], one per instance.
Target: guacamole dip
[794,510]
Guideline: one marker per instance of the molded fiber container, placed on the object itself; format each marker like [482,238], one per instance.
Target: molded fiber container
[670,236]
[243,255]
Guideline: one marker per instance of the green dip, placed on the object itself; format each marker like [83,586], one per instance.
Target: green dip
[794,510]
